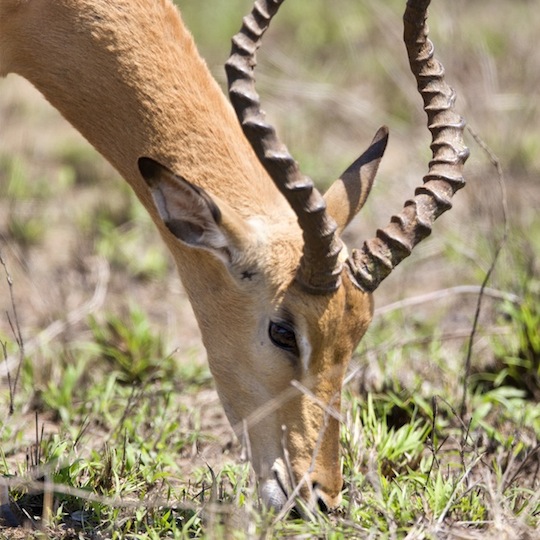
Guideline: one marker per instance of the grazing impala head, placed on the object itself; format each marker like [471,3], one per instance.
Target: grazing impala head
[280,302]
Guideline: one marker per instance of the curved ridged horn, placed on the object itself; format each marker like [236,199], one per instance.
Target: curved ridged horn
[319,269]
[378,256]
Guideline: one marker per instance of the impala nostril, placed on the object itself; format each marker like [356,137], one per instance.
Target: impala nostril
[321,504]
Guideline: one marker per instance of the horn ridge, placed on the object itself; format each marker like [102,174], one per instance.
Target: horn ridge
[370,264]
[319,269]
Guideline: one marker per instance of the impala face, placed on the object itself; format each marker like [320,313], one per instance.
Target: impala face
[294,431]
[293,434]
[299,446]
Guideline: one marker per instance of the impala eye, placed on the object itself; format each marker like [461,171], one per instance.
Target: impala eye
[282,335]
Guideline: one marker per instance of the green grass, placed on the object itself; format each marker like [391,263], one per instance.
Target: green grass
[412,464]
[115,418]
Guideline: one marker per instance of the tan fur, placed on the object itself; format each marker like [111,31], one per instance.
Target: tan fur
[126,74]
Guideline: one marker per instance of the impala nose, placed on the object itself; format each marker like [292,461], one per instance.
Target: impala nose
[277,491]
[324,501]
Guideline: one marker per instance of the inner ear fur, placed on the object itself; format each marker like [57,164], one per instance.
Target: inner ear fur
[193,216]
[348,194]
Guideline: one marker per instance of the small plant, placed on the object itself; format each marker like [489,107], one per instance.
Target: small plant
[517,356]
[397,450]
[523,367]
[131,347]
[59,396]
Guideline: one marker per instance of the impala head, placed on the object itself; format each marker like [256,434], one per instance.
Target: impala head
[265,329]
[290,304]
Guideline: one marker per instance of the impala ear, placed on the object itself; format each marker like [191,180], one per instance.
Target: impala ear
[346,196]
[194,217]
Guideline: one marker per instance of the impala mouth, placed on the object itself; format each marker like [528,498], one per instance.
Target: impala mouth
[277,492]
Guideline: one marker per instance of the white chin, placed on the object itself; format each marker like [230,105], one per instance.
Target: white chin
[272,494]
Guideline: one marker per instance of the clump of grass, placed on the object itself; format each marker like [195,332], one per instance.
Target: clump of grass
[131,347]
[517,356]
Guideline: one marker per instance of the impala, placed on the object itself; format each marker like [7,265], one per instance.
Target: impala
[280,301]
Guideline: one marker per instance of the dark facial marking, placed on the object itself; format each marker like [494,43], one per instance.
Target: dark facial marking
[246,274]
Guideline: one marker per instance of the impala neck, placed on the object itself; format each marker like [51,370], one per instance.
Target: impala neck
[127,76]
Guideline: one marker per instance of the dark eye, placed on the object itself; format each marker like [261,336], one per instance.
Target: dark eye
[282,335]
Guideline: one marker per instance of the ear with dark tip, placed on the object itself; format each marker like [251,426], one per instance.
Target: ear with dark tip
[347,195]
[192,215]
